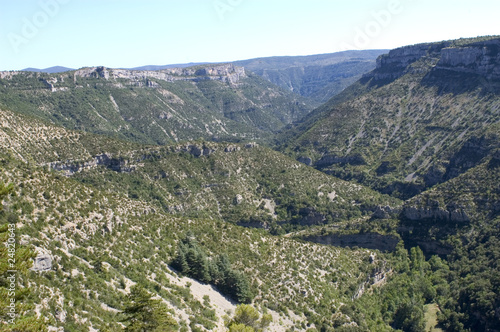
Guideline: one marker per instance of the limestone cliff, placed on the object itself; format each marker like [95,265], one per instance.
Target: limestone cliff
[227,73]
[476,58]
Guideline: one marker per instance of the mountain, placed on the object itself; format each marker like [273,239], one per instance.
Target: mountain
[50,70]
[426,114]
[211,102]
[103,215]
[317,77]
[423,126]
[246,184]
[133,195]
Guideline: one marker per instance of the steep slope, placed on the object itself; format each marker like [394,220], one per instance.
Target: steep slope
[93,244]
[317,77]
[212,102]
[461,217]
[426,114]
[240,183]
[462,205]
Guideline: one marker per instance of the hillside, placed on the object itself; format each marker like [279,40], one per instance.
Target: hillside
[94,238]
[317,77]
[155,107]
[426,114]
[422,126]
[460,218]
[240,183]
[144,199]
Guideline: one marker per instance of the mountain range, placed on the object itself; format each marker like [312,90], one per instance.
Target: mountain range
[356,191]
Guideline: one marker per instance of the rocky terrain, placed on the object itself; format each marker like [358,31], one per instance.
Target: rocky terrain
[93,242]
[376,206]
[156,107]
[317,77]
[411,126]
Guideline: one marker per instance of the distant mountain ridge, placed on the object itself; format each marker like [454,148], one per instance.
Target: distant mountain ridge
[162,67]
[61,69]
[50,70]
[214,102]
[317,77]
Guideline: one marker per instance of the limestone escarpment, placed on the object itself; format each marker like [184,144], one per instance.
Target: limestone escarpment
[425,115]
[475,57]
[366,240]
[217,101]
[226,73]
[480,58]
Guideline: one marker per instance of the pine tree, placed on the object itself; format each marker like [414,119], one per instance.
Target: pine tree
[145,314]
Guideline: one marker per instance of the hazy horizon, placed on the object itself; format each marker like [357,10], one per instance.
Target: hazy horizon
[129,33]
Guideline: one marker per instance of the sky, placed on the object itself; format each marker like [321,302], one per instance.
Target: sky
[132,33]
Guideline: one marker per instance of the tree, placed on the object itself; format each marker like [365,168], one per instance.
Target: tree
[145,314]
[240,328]
[192,261]
[410,317]
[236,286]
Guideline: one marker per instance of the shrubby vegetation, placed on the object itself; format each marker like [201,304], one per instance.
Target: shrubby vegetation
[474,280]
[111,230]
[247,319]
[16,306]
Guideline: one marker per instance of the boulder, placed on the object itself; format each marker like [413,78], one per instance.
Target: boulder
[42,262]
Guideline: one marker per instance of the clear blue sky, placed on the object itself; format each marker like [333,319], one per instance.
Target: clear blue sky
[130,33]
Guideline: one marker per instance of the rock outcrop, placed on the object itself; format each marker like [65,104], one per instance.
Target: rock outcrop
[329,159]
[385,212]
[433,211]
[227,73]
[127,165]
[70,167]
[362,240]
[478,58]
[43,262]
[482,58]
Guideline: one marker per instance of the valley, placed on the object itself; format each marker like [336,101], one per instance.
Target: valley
[356,191]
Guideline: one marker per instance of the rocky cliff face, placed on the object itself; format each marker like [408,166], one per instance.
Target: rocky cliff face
[451,213]
[481,58]
[365,240]
[227,73]
[69,167]
[477,58]
[130,164]
[425,115]
[218,101]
